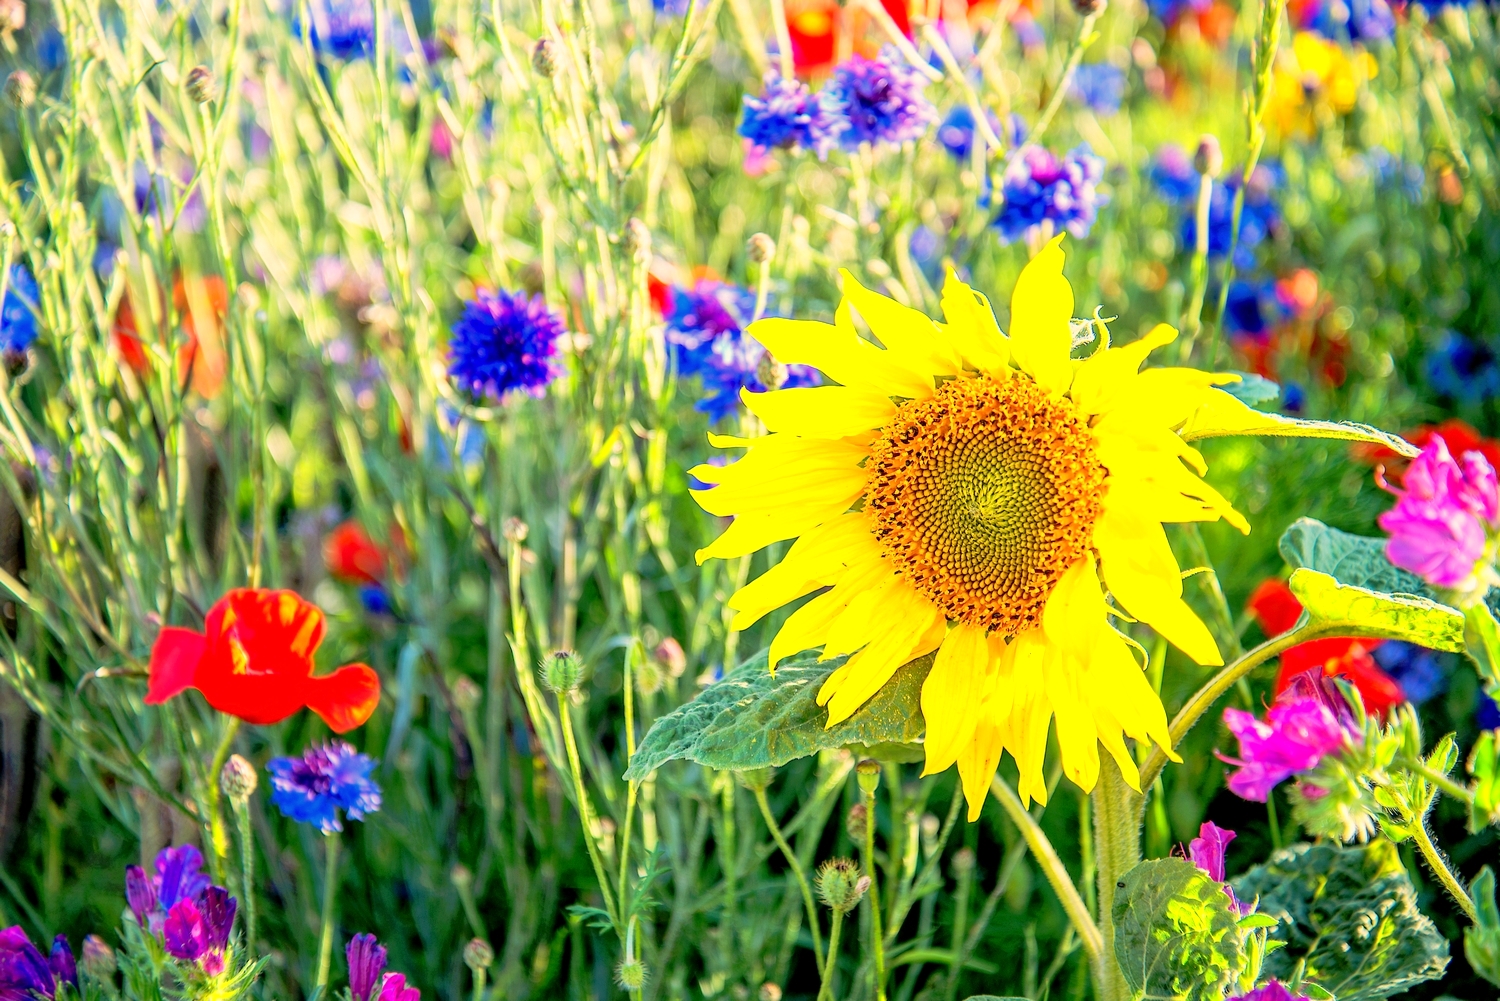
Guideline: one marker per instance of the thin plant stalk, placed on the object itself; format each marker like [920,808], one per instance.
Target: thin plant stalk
[241,810]
[960,930]
[330,895]
[798,873]
[877,937]
[825,988]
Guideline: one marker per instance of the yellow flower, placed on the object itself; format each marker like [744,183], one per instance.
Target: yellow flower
[1316,75]
[973,494]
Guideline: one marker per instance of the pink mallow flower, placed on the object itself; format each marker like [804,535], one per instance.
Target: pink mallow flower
[1308,721]
[1439,528]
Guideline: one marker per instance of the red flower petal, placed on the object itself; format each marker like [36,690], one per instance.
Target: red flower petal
[174,660]
[346,698]
[1275,607]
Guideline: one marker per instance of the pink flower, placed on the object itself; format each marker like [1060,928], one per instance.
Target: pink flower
[1271,990]
[1439,526]
[1206,851]
[393,988]
[1308,721]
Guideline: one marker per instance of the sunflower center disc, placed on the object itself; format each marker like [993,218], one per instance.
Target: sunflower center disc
[983,496]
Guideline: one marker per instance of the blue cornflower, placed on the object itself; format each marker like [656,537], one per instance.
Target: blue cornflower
[671,8]
[1100,86]
[956,132]
[1170,11]
[1488,716]
[1416,669]
[1038,188]
[1257,219]
[1173,174]
[504,341]
[1250,308]
[705,335]
[344,29]
[1463,368]
[1293,397]
[785,115]
[1392,171]
[1370,20]
[18,313]
[376,601]
[313,789]
[877,101]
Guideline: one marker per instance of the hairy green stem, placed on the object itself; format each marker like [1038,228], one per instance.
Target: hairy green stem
[330,895]
[877,937]
[1117,845]
[585,810]
[825,987]
[798,873]
[247,869]
[1439,866]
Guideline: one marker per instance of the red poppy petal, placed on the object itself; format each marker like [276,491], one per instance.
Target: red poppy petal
[174,660]
[345,698]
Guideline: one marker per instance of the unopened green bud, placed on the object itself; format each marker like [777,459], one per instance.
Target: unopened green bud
[543,58]
[98,960]
[631,974]
[770,372]
[840,885]
[201,85]
[466,694]
[12,16]
[562,671]
[855,822]
[869,775]
[930,827]
[963,862]
[514,530]
[238,779]
[755,779]
[20,89]
[461,876]
[761,248]
[478,955]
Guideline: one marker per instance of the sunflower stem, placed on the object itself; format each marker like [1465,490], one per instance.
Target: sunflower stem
[330,894]
[1117,848]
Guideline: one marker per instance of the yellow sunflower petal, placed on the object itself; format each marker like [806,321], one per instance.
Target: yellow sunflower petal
[817,559]
[837,350]
[972,328]
[820,411]
[899,635]
[977,762]
[1123,701]
[1030,713]
[908,335]
[1107,375]
[1142,574]
[1137,471]
[952,693]
[1041,308]
[783,472]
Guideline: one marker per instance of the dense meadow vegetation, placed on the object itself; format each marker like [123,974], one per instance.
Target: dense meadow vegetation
[427,423]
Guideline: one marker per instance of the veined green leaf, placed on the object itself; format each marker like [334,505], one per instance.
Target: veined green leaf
[1177,933]
[1359,611]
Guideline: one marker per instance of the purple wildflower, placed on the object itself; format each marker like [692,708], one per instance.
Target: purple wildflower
[199,930]
[366,963]
[1439,527]
[313,788]
[877,101]
[956,133]
[786,115]
[1463,368]
[139,894]
[1099,86]
[60,960]
[1308,721]
[504,341]
[1206,851]
[393,988]
[1271,990]
[179,875]
[1039,188]
[24,974]
[1173,174]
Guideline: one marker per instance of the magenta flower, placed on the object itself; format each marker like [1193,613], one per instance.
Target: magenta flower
[1308,721]
[1271,990]
[366,964]
[24,974]
[393,988]
[1206,851]
[199,929]
[1439,528]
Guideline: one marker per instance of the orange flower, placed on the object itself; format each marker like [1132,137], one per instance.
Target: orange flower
[352,556]
[201,302]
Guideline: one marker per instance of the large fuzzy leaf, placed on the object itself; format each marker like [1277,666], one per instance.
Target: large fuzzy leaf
[1176,932]
[1359,611]
[753,719]
[1350,915]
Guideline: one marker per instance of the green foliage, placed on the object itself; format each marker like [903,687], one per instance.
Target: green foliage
[754,719]
[1484,766]
[1359,611]
[1177,934]
[1349,918]
[1482,941]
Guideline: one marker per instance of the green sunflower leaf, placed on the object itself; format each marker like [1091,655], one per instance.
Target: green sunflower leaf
[1349,916]
[1177,933]
[1359,611]
[754,719]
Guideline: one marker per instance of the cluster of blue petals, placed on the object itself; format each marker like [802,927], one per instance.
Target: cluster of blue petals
[313,789]
[1038,188]
[504,341]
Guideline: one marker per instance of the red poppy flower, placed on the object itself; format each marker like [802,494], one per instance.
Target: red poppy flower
[255,661]
[813,28]
[201,302]
[352,556]
[1276,608]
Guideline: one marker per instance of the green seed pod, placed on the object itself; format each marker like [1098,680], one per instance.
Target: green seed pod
[201,85]
[20,89]
[755,779]
[963,862]
[543,58]
[98,960]
[238,779]
[761,248]
[631,974]
[855,822]
[1208,159]
[562,671]
[869,775]
[840,886]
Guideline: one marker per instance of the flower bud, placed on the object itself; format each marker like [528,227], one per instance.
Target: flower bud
[855,822]
[755,779]
[562,671]
[930,827]
[478,955]
[514,530]
[769,992]
[963,862]
[671,656]
[461,876]
[1087,7]
[1208,158]
[238,779]
[20,89]
[543,58]
[770,372]
[201,85]
[840,886]
[638,241]
[869,775]
[466,694]
[761,248]
[631,974]
[12,16]
[98,961]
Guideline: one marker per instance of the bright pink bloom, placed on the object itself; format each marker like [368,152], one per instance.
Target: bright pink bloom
[1438,528]
[1307,722]
[1271,990]
[393,988]
[1206,851]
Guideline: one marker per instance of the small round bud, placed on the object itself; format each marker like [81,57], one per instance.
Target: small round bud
[963,862]
[855,822]
[769,992]
[638,241]
[840,886]
[770,372]
[98,961]
[514,530]
[755,779]
[1208,158]
[649,676]
[869,775]
[761,248]
[1087,7]
[201,85]
[543,58]
[670,654]
[466,694]
[12,16]
[478,955]
[20,89]
[562,671]
[238,779]
[930,826]
[461,876]
[630,974]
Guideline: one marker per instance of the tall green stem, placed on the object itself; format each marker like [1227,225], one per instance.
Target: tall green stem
[330,895]
[585,811]
[877,936]
[1117,844]
[247,869]
[798,873]
[825,989]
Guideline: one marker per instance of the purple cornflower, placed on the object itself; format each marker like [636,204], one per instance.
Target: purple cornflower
[393,988]
[1206,851]
[1440,526]
[1271,990]
[504,341]
[344,29]
[706,338]
[1039,188]
[18,312]
[366,963]
[877,101]
[1099,86]
[199,929]
[313,788]
[24,974]
[786,115]
[1308,721]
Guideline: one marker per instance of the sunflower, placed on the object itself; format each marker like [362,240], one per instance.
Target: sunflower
[987,498]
